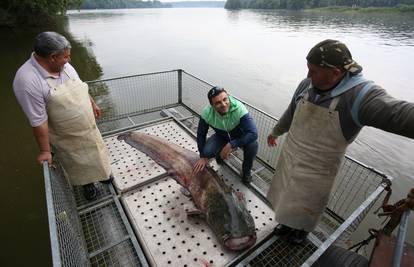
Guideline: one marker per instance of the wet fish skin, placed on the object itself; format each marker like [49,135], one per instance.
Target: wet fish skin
[224,212]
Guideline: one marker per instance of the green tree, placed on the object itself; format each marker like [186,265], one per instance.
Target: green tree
[32,11]
[112,4]
[233,4]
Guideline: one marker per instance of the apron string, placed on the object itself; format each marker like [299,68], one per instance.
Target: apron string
[53,86]
[333,104]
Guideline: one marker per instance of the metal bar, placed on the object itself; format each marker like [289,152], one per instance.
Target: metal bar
[54,242]
[370,168]
[199,79]
[261,168]
[146,182]
[131,76]
[399,246]
[334,216]
[186,118]
[145,111]
[94,207]
[130,120]
[138,249]
[258,251]
[180,85]
[94,203]
[254,250]
[136,126]
[331,239]
[107,247]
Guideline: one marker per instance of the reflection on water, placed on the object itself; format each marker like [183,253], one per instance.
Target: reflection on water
[396,30]
[258,55]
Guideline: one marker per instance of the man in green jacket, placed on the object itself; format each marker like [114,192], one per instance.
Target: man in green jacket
[233,126]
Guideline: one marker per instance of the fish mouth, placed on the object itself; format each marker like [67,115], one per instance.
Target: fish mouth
[239,243]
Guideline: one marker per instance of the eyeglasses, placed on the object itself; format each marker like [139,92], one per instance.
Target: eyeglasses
[214,91]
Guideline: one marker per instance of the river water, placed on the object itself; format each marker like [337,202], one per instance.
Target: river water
[258,56]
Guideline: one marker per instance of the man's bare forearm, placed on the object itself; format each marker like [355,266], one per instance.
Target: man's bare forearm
[41,134]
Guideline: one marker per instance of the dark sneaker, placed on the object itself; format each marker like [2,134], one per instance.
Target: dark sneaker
[108,181]
[90,192]
[282,230]
[298,237]
[219,160]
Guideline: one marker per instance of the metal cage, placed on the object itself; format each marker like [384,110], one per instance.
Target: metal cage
[100,234]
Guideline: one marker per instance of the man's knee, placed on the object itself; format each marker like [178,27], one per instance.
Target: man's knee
[251,148]
[213,146]
[208,152]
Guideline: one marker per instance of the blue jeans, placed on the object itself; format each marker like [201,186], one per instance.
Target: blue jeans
[215,143]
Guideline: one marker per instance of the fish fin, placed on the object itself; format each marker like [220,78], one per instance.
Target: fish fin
[185,192]
[193,212]
[240,196]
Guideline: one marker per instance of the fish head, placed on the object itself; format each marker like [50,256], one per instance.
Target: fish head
[230,220]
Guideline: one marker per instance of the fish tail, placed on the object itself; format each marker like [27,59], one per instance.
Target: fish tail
[123,136]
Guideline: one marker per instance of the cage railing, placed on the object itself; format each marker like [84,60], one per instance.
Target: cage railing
[135,100]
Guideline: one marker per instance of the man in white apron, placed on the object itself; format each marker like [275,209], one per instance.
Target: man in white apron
[62,113]
[326,113]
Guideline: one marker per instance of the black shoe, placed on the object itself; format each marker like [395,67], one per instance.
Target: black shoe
[247,179]
[108,181]
[90,192]
[219,160]
[282,230]
[298,237]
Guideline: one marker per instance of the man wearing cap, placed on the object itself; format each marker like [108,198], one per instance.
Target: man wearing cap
[61,112]
[233,126]
[327,111]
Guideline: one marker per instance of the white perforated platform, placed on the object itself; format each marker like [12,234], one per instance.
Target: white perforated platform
[131,167]
[158,209]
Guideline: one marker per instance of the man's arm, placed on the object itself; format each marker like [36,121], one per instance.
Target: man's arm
[380,110]
[97,112]
[249,129]
[41,134]
[283,124]
[202,130]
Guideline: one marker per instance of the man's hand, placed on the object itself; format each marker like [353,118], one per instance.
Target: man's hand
[271,141]
[225,151]
[200,165]
[97,112]
[44,156]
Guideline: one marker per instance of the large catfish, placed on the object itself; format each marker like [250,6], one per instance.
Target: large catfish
[224,210]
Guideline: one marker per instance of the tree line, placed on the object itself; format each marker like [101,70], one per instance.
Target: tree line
[108,4]
[302,4]
[35,12]
[32,11]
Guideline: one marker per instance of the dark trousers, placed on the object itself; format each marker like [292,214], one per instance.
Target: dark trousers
[215,143]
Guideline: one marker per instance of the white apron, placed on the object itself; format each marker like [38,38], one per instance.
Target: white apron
[308,164]
[74,134]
